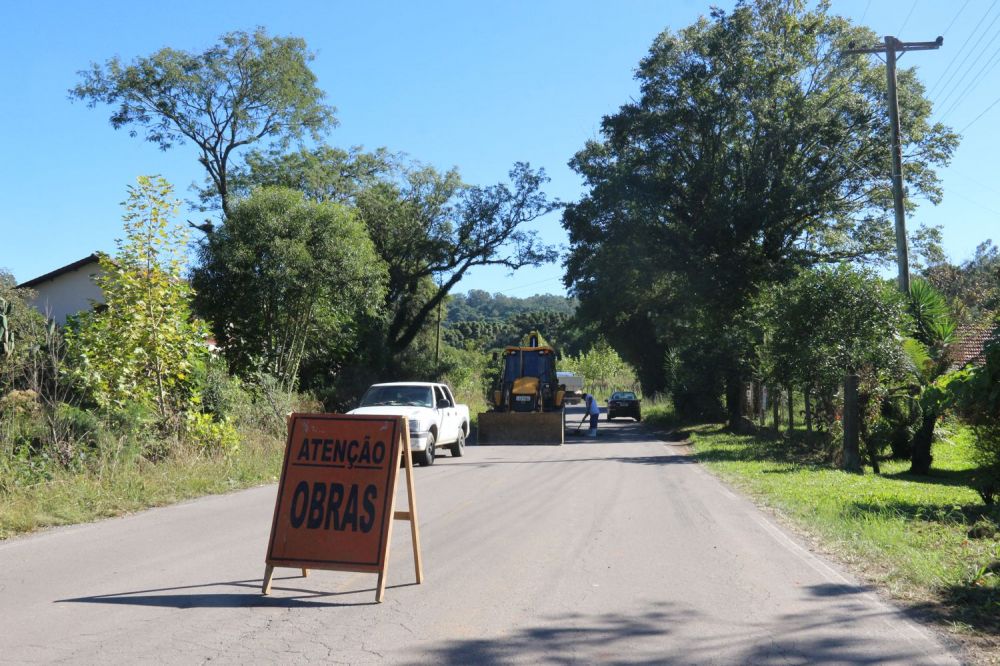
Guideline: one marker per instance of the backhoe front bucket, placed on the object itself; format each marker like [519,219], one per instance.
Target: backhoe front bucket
[521,428]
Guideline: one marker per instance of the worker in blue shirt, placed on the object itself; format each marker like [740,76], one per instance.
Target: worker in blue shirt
[594,409]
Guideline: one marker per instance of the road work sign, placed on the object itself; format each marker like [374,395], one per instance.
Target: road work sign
[336,496]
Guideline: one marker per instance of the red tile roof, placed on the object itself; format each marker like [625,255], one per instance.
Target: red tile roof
[970,341]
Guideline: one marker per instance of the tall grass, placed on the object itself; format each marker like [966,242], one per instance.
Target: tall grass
[123,481]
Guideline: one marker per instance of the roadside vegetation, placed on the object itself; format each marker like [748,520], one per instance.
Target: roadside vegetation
[927,540]
[727,260]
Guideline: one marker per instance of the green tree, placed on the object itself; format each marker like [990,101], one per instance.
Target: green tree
[285,283]
[827,323]
[602,369]
[429,227]
[972,287]
[142,345]
[754,149]
[246,89]
[322,173]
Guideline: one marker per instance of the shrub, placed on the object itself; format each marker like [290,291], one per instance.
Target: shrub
[210,436]
[74,434]
[976,394]
[224,395]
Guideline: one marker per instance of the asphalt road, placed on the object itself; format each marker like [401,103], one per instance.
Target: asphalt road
[620,550]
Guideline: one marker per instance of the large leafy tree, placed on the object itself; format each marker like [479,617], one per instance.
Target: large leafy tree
[754,148]
[428,227]
[247,89]
[322,173]
[286,283]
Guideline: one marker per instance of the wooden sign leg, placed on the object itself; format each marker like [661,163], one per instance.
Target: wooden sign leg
[305,573]
[268,573]
[380,587]
[411,498]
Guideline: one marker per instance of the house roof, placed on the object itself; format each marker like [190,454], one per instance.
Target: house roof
[970,341]
[51,275]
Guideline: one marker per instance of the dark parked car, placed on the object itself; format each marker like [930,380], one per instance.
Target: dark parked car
[624,403]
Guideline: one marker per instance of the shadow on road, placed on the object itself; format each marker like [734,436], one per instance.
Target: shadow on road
[304,598]
[694,639]
[640,460]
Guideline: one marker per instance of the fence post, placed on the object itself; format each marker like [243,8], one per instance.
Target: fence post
[791,409]
[852,457]
[776,408]
[809,419]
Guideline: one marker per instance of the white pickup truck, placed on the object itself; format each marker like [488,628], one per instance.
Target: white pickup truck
[435,419]
[573,384]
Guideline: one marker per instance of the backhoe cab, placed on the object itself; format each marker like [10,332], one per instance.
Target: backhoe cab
[527,398]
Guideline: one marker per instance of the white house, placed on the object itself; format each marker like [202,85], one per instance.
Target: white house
[67,290]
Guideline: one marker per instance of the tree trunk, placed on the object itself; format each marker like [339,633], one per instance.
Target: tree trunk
[757,409]
[852,456]
[921,461]
[734,401]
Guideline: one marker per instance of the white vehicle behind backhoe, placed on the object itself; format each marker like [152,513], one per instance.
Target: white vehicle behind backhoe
[436,421]
[574,386]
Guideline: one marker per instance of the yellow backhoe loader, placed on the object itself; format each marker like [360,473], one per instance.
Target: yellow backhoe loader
[527,399]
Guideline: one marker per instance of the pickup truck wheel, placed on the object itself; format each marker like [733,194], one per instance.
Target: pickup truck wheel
[458,448]
[425,458]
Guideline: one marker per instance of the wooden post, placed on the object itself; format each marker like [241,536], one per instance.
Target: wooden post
[852,456]
[809,419]
[776,408]
[791,409]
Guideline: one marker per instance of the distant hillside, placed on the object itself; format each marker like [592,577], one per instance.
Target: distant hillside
[483,321]
[479,305]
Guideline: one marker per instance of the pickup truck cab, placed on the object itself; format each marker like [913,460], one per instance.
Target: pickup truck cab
[573,384]
[435,419]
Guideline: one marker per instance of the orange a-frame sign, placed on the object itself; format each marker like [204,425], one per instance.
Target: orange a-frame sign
[336,496]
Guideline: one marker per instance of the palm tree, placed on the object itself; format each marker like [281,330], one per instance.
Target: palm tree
[928,350]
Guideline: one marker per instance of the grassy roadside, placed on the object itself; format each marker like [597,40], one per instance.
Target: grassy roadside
[928,542]
[123,486]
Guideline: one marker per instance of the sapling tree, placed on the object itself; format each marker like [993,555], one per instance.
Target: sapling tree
[142,344]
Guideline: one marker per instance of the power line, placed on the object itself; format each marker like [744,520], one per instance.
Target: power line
[865,13]
[971,200]
[973,121]
[907,20]
[954,18]
[977,79]
[965,72]
[961,50]
[529,284]
[963,177]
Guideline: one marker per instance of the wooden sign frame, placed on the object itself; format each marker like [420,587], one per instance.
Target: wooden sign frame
[401,442]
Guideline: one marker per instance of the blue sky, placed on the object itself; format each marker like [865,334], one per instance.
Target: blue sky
[477,85]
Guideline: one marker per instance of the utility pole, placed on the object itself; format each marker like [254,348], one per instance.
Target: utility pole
[891,47]
[437,337]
